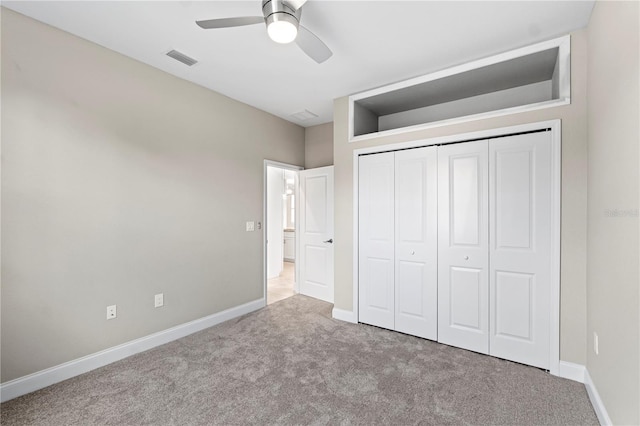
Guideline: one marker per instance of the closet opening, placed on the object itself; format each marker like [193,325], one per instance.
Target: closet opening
[457,239]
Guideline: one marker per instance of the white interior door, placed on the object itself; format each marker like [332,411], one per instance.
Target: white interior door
[520,254]
[316,233]
[275,232]
[376,240]
[463,308]
[416,242]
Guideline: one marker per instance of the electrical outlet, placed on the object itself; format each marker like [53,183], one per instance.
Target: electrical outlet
[250,226]
[596,349]
[111,312]
[159,300]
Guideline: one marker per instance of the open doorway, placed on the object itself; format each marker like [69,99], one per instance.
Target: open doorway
[281,203]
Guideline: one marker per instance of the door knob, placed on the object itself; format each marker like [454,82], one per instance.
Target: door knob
[413,252]
[466,258]
[330,241]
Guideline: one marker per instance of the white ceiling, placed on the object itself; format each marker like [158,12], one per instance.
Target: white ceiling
[374,43]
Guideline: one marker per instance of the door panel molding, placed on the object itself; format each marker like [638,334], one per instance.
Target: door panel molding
[377,247]
[520,291]
[315,233]
[416,247]
[463,245]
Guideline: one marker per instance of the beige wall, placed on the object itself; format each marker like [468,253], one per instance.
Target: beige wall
[574,197]
[318,142]
[120,181]
[613,239]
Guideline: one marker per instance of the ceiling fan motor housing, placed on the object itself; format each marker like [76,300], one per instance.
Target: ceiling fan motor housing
[278,10]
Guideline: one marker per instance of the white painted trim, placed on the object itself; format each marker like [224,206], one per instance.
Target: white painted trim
[356,238]
[469,66]
[286,166]
[556,136]
[441,140]
[556,218]
[596,401]
[342,315]
[464,119]
[564,51]
[579,373]
[564,64]
[572,371]
[296,263]
[50,376]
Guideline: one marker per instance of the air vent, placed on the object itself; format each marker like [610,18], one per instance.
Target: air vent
[304,115]
[181,57]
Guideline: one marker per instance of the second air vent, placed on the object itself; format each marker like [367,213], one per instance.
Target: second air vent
[181,57]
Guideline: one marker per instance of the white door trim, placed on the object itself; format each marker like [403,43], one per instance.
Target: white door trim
[270,163]
[556,132]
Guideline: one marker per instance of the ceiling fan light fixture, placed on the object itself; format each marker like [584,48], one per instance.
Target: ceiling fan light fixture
[282,18]
[282,27]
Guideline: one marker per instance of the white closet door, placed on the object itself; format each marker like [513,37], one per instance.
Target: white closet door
[520,225]
[463,308]
[376,240]
[416,242]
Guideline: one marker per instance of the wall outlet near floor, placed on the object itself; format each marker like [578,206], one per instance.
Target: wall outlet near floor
[595,343]
[159,300]
[111,312]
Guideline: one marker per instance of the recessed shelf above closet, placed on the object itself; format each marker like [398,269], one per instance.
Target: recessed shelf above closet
[530,78]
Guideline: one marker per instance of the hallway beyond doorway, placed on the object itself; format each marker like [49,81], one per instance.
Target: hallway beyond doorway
[281,287]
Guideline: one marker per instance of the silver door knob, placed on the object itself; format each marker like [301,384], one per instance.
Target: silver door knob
[412,253]
[330,241]
[466,258]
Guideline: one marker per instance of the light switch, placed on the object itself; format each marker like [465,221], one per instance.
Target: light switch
[250,226]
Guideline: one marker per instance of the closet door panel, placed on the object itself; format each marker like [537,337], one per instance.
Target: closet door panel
[465,288]
[520,252]
[463,248]
[416,290]
[376,236]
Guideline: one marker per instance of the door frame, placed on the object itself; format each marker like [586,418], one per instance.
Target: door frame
[555,126]
[286,166]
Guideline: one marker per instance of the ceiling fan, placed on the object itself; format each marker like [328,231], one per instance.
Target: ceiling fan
[283,26]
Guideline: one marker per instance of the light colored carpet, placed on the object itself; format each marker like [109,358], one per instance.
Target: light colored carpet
[291,363]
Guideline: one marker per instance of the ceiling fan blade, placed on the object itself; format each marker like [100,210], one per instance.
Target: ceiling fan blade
[295,4]
[312,45]
[230,22]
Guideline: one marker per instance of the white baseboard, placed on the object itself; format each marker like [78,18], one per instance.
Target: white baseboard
[594,396]
[44,378]
[571,371]
[342,315]
[579,373]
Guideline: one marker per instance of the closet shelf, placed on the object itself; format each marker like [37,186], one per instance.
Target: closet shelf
[529,78]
